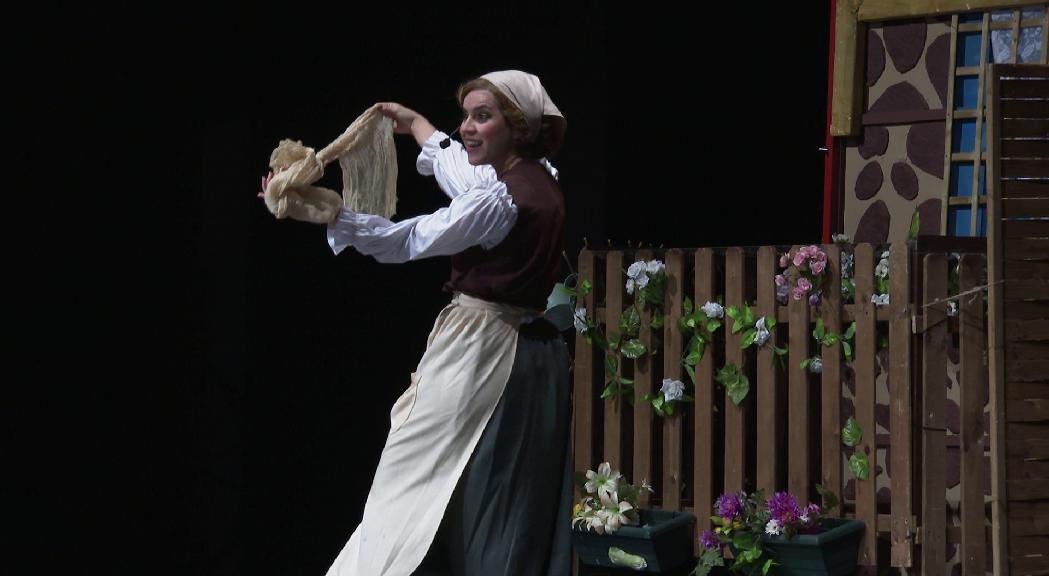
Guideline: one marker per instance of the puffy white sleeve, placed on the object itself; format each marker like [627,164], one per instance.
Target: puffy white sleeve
[483,215]
[450,166]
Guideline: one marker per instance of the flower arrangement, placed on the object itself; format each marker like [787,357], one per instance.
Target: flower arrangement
[802,275]
[608,502]
[745,521]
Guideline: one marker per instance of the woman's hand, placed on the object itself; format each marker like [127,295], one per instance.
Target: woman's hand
[407,121]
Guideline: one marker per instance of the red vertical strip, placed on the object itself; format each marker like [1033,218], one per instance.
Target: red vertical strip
[830,157]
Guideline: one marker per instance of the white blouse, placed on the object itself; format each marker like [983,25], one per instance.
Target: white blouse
[481,212]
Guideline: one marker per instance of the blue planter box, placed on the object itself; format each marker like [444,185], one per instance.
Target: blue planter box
[833,552]
[664,540]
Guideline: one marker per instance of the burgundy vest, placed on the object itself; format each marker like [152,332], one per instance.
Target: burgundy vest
[523,268]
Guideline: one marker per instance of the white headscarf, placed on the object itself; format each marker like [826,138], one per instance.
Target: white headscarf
[528,94]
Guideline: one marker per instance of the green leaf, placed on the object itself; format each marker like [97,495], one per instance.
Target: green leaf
[657,319]
[768,565]
[690,322]
[613,341]
[770,322]
[688,305]
[713,325]
[668,409]
[804,364]
[859,465]
[851,435]
[830,499]
[692,359]
[691,373]
[657,400]
[915,225]
[609,390]
[748,316]
[611,363]
[732,312]
[830,339]
[780,350]
[738,391]
[586,287]
[850,331]
[716,520]
[630,322]
[847,348]
[633,348]
[820,330]
[628,382]
[748,338]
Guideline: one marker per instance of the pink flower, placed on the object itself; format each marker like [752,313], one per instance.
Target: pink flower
[804,285]
[783,261]
[800,257]
[817,266]
[780,280]
[797,293]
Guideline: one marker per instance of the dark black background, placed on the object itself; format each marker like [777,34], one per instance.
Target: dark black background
[201,389]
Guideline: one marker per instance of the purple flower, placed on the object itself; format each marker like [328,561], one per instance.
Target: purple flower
[709,540]
[804,285]
[730,505]
[782,293]
[813,510]
[780,280]
[814,299]
[817,266]
[783,508]
[797,293]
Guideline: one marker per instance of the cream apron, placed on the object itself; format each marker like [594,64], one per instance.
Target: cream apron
[435,426]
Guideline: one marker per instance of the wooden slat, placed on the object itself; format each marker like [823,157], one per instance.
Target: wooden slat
[1027,469]
[1027,441]
[1025,108]
[850,47]
[934,398]
[948,138]
[735,416]
[1014,229]
[1028,401]
[1026,330]
[1025,207]
[702,445]
[583,370]
[1037,168]
[1026,310]
[900,404]
[830,391]
[865,350]
[985,37]
[614,451]
[1032,88]
[1029,519]
[643,385]
[767,386]
[798,448]
[971,351]
[1025,148]
[995,340]
[1025,188]
[1034,370]
[1029,555]
[1031,288]
[672,348]
[1027,248]
[1027,269]
[1024,127]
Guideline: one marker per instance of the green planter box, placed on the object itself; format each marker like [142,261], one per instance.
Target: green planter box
[664,540]
[833,552]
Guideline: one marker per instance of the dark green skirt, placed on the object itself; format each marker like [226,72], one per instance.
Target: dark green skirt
[511,511]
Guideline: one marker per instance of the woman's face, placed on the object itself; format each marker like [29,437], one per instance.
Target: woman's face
[485,131]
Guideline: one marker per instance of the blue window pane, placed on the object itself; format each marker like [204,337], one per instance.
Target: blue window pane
[963,136]
[966,90]
[969,49]
[958,220]
[983,137]
[962,179]
[971,17]
[981,221]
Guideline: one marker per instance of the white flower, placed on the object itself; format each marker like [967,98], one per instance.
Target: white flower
[804,518]
[880,299]
[637,270]
[629,285]
[816,365]
[646,486]
[952,308]
[713,310]
[762,332]
[603,481]
[773,528]
[885,255]
[654,267]
[840,238]
[882,269]
[613,512]
[580,319]
[672,389]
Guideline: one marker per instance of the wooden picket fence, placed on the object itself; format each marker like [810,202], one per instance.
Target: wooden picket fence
[786,435]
